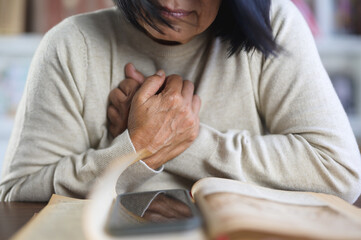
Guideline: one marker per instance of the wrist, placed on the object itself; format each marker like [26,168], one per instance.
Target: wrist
[153,169]
[139,141]
[134,140]
[152,163]
[142,142]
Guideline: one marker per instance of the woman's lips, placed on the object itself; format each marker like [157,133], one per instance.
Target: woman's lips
[175,13]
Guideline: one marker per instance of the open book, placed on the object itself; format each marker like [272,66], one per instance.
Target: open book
[236,210]
[231,210]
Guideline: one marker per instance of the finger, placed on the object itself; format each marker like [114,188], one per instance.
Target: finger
[117,98]
[164,206]
[124,93]
[174,84]
[150,86]
[114,130]
[182,210]
[196,104]
[116,119]
[159,206]
[178,206]
[187,90]
[154,217]
[113,114]
[161,88]
[129,86]
[132,72]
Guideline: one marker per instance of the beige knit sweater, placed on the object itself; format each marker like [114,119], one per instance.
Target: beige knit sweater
[276,123]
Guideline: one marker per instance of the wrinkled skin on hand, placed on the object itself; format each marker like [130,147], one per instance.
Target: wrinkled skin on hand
[164,122]
[167,123]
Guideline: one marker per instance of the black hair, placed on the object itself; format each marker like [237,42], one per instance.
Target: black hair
[245,24]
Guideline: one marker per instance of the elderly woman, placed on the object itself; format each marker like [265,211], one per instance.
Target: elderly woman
[231,88]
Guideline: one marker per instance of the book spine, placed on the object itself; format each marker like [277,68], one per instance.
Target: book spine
[46,14]
[12,16]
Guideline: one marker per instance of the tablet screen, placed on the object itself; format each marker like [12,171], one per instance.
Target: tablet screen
[153,212]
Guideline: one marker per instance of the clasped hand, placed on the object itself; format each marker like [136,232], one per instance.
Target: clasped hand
[163,121]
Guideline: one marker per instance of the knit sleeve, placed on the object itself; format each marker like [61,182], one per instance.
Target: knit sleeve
[309,146]
[49,151]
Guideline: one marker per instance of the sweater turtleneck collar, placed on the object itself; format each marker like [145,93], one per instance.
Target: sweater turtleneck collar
[147,45]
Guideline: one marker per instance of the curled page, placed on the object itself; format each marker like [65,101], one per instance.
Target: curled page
[103,195]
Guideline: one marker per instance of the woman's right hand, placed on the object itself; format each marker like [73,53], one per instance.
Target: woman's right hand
[120,99]
[167,123]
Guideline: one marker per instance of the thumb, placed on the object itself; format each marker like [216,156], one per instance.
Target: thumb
[150,86]
[132,72]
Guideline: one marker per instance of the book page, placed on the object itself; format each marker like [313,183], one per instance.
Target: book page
[69,218]
[214,185]
[256,215]
[60,219]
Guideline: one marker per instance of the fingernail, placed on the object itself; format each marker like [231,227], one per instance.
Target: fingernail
[132,66]
[160,73]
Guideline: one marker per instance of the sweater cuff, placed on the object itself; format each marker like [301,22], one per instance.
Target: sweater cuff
[160,169]
[121,146]
[137,173]
[134,176]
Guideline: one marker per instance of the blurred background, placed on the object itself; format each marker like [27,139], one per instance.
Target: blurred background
[335,24]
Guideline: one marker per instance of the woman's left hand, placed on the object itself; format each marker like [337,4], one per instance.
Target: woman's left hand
[120,99]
